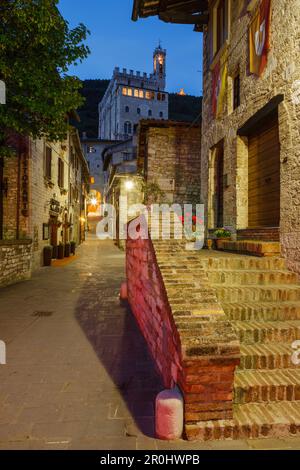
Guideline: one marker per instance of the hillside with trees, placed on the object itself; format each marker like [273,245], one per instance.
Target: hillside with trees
[181,108]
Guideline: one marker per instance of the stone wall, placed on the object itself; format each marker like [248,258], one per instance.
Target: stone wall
[279,77]
[188,335]
[15,261]
[170,154]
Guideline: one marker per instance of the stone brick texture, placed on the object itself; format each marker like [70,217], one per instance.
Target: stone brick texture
[15,262]
[169,154]
[279,77]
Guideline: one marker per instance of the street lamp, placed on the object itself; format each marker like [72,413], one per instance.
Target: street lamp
[129,185]
[94,201]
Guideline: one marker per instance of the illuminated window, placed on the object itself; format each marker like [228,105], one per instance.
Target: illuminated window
[124,91]
[92,180]
[148,95]
[136,93]
[129,92]
[141,94]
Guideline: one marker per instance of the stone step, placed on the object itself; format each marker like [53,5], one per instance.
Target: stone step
[252,247]
[252,386]
[267,356]
[251,421]
[264,311]
[274,293]
[234,262]
[252,277]
[251,332]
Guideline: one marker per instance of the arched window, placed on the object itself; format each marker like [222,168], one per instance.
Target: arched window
[138,110]
[127,128]
[161,114]
[126,109]
[149,113]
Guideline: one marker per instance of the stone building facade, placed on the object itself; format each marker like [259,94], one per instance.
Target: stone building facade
[169,155]
[250,152]
[44,189]
[131,97]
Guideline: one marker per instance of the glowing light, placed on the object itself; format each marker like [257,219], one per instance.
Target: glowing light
[82,219]
[94,201]
[129,185]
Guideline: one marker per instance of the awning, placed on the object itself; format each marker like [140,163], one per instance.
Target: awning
[173,11]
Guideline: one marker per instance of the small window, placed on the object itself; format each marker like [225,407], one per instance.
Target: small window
[127,109]
[136,93]
[138,110]
[161,114]
[61,181]
[124,91]
[129,92]
[159,96]
[236,91]
[48,162]
[148,95]
[163,97]
[142,85]
[141,94]
[127,128]
[220,25]
[149,113]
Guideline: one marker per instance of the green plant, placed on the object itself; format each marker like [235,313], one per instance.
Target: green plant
[222,233]
[40,94]
[152,192]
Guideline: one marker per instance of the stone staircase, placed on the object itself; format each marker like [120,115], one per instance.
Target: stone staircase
[262,299]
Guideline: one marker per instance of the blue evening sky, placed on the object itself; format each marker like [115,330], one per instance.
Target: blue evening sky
[115,40]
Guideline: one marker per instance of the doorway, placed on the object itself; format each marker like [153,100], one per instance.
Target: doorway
[264,175]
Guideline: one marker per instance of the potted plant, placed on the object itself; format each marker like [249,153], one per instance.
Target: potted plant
[47,255]
[221,234]
[54,251]
[60,251]
[67,250]
[73,247]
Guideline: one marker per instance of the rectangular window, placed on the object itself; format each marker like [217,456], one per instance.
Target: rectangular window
[129,92]
[141,94]
[236,91]
[60,173]
[136,93]
[48,162]
[220,24]
[124,91]
[148,95]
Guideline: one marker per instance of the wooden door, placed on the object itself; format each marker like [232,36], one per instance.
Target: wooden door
[264,175]
[53,231]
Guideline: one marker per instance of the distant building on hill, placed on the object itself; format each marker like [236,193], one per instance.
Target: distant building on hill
[131,97]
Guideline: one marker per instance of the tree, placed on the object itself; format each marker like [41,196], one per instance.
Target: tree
[37,48]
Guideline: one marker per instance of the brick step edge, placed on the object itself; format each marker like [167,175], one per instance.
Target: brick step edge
[266,386]
[250,422]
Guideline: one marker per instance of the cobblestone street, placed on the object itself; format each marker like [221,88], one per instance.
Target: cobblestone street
[78,375]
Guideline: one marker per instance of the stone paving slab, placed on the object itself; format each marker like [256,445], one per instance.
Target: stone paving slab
[78,373]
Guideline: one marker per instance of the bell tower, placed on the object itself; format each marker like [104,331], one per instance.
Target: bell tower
[159,61]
